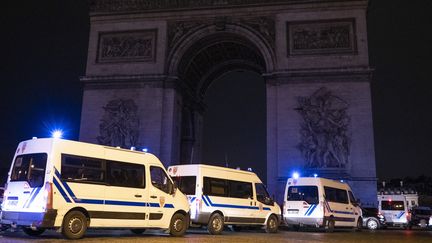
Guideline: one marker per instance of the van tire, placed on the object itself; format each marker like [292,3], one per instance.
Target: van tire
[359,225]
[272,224]
[330,225]
[372,224]
[216,224]
[178,225]
[31,232]
[138,231]
[74,225]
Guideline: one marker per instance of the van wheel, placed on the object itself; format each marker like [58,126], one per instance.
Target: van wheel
[272,224]
[32,232]
[216,224]
[359,225]
[137,231]
[74,225]
[372,224]
[178,225]
[330,225]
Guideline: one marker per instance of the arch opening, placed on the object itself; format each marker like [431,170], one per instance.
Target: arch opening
[222,62]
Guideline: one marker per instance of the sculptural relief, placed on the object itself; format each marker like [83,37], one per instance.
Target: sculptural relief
[325,139]
[120,124]
[326,37]
[127,46]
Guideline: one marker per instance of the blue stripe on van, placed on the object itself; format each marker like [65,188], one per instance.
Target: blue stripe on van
[124,203]
[168,205]
[89,201]
[12,198]
[34,196]
[62,192]
[65,185]
[312,209]
[232,206]
[307,211]
[28,199]
[205,201]
[400,215]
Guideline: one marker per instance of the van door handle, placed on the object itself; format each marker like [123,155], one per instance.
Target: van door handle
[153,196]
[137,195]
[346,208]
[251,203]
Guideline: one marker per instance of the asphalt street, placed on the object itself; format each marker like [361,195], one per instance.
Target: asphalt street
[390,235]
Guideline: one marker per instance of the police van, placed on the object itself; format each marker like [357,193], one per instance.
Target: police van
[319,202]
[71,186]
[394,208]
[221,196]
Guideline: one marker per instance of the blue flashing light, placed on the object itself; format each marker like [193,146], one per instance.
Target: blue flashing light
[315,175]
[295,175]
[342,181]
[145,150]
[57,133]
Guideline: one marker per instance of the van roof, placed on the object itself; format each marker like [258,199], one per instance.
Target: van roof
[65,141]
[216,168]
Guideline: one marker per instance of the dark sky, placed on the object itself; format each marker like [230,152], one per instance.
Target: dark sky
[44,47]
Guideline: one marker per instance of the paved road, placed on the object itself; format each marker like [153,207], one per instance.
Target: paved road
[386,236]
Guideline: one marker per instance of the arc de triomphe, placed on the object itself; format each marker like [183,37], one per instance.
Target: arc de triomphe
[150,63]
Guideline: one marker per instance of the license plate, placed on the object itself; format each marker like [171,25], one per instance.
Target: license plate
[12,202]
[293,211]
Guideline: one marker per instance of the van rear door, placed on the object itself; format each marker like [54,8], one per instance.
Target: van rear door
[302,201]
[25,188]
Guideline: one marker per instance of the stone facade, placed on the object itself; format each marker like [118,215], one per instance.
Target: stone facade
[150,63]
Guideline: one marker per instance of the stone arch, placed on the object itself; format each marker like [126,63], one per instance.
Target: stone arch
[238,47]
[187,42]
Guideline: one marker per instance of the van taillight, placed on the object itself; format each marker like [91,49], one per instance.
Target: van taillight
[49,195]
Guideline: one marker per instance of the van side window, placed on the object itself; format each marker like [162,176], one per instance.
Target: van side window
[30,168]
[215,187]
[125,174]
[160,179]
[240,189]
[392,205]
[308,194]
[336,195]
[262,194]
[82,169]
[186,184]
[351,197]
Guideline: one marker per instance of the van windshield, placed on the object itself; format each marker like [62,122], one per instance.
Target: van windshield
[308,194]
[392,205]
[30,168]
[186,184]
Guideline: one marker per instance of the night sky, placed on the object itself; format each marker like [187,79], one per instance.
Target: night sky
[44,51]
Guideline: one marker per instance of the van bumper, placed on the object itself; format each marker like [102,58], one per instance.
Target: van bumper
[304,221]
[29,219]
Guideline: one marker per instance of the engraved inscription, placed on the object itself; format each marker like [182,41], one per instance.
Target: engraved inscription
[321,37]
[127,46]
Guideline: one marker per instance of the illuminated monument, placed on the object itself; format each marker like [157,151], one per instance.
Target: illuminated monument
[150,63]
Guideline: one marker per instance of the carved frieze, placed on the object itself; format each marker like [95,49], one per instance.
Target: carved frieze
[131,46]
[120,124]
[324,130]
[137,5]
[264,25]
[178,29]
[324,37]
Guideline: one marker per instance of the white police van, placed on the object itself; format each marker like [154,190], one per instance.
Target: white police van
[319,202]
[222,196]
[394,208]
[71,186]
